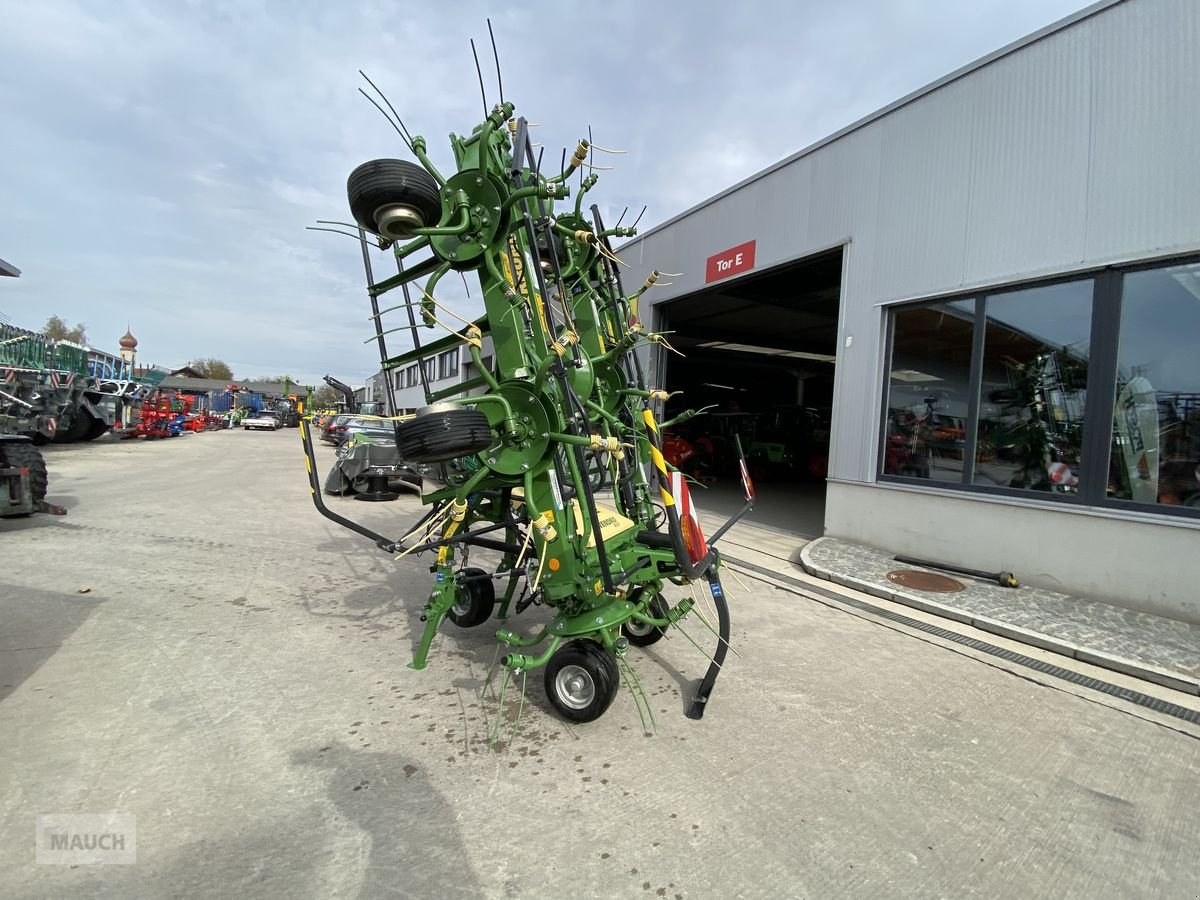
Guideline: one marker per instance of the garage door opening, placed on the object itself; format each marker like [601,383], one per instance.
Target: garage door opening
[762,349]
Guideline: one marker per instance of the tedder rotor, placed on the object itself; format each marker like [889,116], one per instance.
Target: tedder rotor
[558,463]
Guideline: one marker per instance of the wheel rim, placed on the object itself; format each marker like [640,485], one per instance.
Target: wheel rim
[575,686]
[462,607]
[638,629]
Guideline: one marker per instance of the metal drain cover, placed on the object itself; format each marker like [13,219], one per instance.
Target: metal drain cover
[925,581]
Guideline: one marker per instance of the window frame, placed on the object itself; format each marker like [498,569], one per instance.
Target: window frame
[1099,405]
[447,364]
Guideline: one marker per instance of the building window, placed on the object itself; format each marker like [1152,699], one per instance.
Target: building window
[1033,388]
[1154,455]
[410,376]
[430,371]
[1086,390]
[398,378]
[448,364]
[928,390]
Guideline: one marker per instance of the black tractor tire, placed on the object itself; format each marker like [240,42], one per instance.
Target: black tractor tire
[392,182]
[76,428]
[642,635]
[581,681]
[96,428]
[23,454]
[443,435]
[476,600]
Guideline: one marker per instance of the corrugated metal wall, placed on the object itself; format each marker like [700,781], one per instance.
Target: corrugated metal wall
[1078,149]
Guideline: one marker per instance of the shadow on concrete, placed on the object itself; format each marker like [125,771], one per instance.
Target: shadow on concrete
[36,624]
[37,520]
[380,830]
[687,686]
[66,501]
[412,848]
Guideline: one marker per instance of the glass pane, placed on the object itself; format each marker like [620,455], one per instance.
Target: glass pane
[928,389]
[1155,454]
[1035,362]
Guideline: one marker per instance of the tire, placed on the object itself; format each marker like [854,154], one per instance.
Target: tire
[642,635]
[551,245]
[443,435]
[476,601]
[581,681]
[96,428]
[23,454]
[80,422]
[392,182]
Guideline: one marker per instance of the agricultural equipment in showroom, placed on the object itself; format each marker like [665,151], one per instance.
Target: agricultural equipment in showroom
[508,468]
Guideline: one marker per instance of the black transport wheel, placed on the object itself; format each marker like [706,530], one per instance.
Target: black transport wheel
[642,635]
[390,197]
[582,681]
[23,454]
[441,435]
[476,600]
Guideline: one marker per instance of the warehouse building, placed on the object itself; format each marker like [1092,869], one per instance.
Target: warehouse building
[973,317]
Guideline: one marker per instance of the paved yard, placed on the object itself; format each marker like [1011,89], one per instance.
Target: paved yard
[235,678]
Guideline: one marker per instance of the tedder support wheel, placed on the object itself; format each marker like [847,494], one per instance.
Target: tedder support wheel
[639,633]
[476,600]
[390,197]
[441,435]
[581,680]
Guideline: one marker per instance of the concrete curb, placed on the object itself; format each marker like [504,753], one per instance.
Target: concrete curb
[1043,641]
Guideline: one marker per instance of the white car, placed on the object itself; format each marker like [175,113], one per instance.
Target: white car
[264,419]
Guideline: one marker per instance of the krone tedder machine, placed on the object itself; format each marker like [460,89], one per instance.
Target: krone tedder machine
[558,463]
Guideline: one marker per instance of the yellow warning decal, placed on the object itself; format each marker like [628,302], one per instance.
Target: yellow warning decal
[612,523]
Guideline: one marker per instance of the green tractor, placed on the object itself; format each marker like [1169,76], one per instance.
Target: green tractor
[551,455]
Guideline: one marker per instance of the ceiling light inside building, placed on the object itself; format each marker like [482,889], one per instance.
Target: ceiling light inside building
[766,351]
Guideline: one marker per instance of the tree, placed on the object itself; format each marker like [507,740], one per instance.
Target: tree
[210,367]
[56,329]
[326,396]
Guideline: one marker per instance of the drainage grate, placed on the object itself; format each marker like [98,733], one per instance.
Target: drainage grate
[930,582]
[1086,681]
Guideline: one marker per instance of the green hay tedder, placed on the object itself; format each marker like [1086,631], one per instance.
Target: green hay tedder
[557,465]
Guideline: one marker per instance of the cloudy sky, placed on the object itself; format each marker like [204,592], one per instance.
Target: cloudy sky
[159,161]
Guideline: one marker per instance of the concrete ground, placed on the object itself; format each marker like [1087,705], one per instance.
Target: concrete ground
[235,678]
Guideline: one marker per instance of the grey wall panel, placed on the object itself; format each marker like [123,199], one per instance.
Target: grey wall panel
[1145,177]
[924,193]
[1028,185]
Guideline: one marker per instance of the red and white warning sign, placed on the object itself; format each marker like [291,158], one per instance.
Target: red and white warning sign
[689,518]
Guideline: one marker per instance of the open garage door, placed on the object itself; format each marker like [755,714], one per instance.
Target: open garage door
[762,348]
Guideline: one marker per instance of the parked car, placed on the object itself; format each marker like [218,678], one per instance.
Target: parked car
[333,428]
[367,428]
[266,418]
